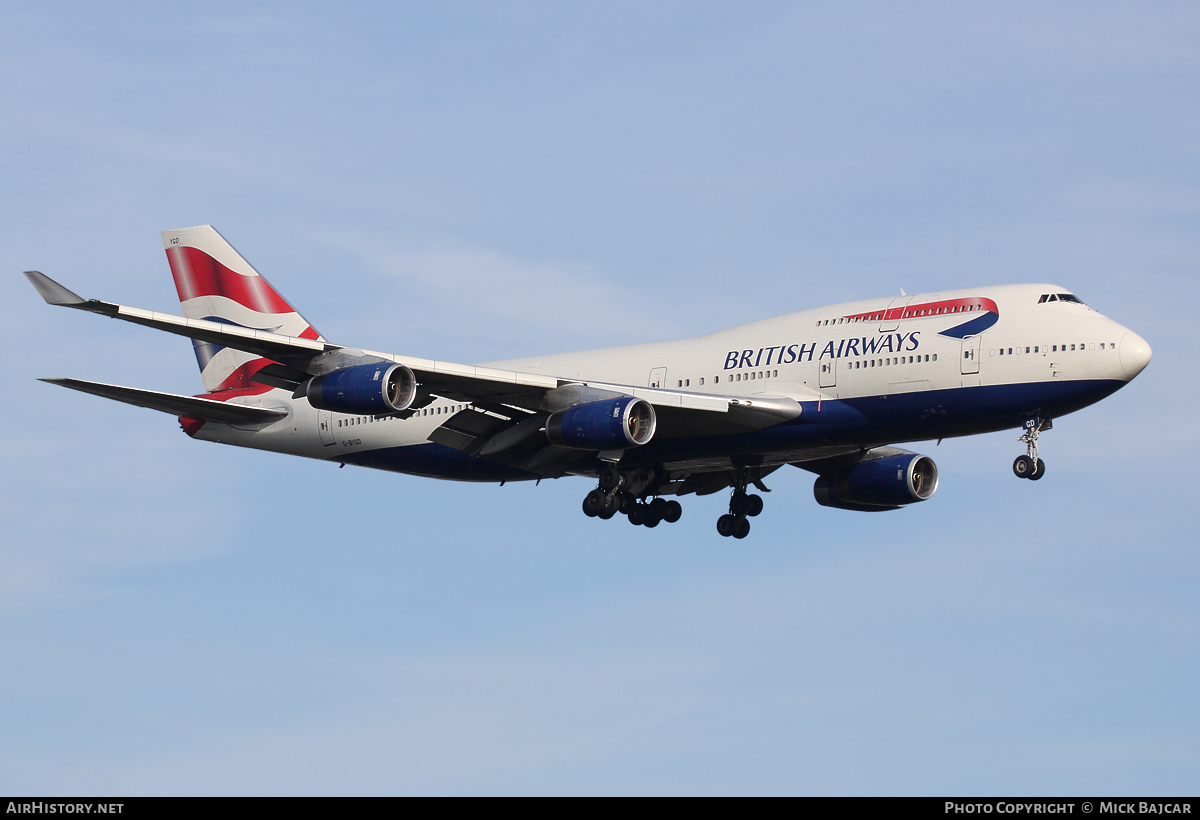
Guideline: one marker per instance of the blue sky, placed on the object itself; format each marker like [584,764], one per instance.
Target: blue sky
[477,182]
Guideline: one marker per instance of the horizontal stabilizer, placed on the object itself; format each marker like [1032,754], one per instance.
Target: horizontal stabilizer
[51,291]
[210,409]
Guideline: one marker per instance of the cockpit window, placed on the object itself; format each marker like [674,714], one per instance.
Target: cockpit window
[1059,297]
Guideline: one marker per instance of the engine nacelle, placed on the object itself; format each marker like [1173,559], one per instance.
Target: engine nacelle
[370,389]
[610,424]
[877,484]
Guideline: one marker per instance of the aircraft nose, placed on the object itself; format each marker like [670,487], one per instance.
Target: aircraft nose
[1135,354]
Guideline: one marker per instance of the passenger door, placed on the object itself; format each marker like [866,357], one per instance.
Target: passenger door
[891,319]
[658,377]
[970,355]
[829,373]
[325,424]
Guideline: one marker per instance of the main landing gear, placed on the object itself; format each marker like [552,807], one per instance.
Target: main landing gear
[741,507]
[616,494]
[1029,465]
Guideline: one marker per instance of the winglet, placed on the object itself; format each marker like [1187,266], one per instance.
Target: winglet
[51,291]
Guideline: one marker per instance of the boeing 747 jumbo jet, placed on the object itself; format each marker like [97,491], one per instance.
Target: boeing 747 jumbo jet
[829,390]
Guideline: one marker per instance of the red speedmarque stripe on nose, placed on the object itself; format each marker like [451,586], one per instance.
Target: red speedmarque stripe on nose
[198,274]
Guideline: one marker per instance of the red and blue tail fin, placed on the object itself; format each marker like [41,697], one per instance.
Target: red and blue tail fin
[215,283]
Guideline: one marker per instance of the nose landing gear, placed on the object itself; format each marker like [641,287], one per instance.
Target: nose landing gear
[1029,465]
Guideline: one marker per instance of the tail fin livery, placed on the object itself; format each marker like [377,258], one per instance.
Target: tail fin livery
[215,283]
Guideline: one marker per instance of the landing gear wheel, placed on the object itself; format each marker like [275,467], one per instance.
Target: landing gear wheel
[658,508]
[727,524]
[1029,465]
[754,505]
[1024,467]
[739,504]
[673,511]
[651,519]
[626,502]
[593,503]
[611,478]
[743,528]
[637,515]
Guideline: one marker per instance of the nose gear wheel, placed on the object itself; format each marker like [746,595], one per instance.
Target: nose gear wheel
[1029,465]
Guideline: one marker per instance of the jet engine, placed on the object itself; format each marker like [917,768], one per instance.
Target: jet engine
[878,484]
[370,389]
[610,424]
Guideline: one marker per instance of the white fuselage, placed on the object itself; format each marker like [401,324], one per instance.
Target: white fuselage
[864,352]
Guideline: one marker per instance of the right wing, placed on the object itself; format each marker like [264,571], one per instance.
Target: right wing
[509,398]
[302,358]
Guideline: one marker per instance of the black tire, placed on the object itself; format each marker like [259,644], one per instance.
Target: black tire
[658,508]
[1023,467]
[674,511]
[626,502]
[610,478]
[651,520]
[637,515]
[726,524]
[1038,471]
[593,504]
[738,504]
[754,505]
[743,528]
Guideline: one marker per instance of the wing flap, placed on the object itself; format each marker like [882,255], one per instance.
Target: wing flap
[176,405]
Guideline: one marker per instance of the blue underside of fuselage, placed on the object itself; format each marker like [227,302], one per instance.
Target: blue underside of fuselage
[868,421]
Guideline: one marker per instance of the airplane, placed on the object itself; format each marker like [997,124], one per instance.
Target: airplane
[830,390]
